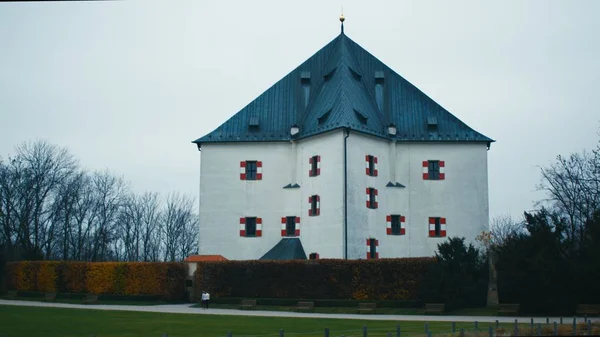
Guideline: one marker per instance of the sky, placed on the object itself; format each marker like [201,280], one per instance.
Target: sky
[127,85]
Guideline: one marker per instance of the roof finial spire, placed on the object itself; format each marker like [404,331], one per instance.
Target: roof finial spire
[342,19]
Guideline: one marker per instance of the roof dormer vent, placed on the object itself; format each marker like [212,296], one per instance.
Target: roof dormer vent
[305,76]
[361,117]
[432,123]
[253,123]
[357,76]
[327,76]
[323,117]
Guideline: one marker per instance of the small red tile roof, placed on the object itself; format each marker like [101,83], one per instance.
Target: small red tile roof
[203,258]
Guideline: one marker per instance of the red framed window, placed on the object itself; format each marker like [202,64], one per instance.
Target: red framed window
[434,170]
[395,224]
[372,248]
[315,205]
[315,166]
[371,165]
[313,256]
[251,170]
[251,227]
[372,198]
[437,227]
[290,226]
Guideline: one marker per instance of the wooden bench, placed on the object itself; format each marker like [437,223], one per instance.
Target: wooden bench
[248,304]
[508,309]
[308,306]
[434,308]
[90,298]
[366,308]
[49,297]
[588,309]
[11,294]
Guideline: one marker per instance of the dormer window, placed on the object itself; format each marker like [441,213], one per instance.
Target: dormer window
[379,89]
[305,82]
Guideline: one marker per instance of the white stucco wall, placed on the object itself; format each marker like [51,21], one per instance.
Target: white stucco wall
[462,198]
[224,198]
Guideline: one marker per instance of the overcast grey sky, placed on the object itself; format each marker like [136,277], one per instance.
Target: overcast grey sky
[126,85]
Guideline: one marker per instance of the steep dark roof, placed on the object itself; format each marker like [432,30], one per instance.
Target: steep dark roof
[341,79]
[286,249]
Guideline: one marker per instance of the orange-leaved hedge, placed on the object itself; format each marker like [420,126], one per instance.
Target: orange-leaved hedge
[382,279]
[163,279]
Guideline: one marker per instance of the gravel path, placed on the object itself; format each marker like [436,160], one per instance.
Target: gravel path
[188,309]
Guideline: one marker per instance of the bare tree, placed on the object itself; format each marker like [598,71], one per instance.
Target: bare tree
[573,187]
[152,227]
[6,206]
[63,210]
[503,227]
[178,218]
[47,166]
[109,192]
[188,243]
[50,208]
[84,215]
[137,220]
[6,201]
[18,207]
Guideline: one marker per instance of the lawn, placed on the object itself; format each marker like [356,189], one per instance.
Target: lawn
[50,322]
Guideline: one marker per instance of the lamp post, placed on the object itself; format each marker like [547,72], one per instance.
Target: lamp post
[392,130]
[492,296]
[294,129]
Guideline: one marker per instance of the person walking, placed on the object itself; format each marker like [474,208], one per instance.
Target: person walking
[207,299]
[203,299]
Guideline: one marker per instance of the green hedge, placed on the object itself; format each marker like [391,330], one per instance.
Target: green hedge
[383,279]
[287,302]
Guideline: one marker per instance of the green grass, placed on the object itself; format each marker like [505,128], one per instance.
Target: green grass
[51,322]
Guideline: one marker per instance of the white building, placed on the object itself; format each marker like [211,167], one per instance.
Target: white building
[342,158]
